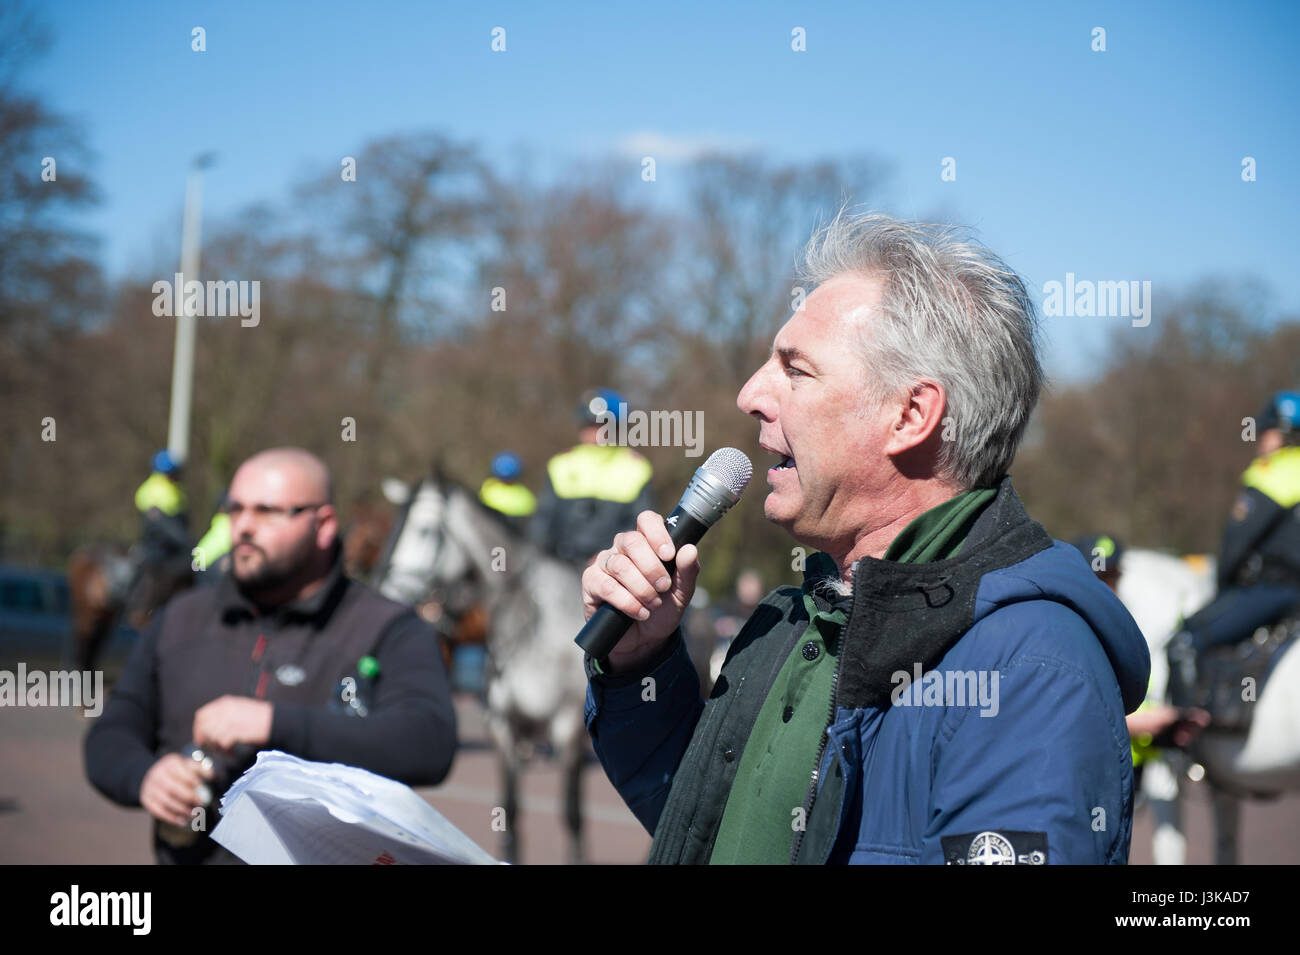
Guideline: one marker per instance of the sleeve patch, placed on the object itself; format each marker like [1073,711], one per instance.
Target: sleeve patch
[995,847]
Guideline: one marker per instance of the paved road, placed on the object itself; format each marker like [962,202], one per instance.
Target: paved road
[50,814]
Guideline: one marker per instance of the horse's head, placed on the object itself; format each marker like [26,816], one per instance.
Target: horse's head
[439,546]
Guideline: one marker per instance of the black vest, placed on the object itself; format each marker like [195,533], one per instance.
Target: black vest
[212,643]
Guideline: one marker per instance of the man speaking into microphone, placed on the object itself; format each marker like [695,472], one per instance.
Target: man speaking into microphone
[949,684]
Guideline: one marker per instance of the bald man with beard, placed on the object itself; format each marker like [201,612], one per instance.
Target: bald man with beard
[255,663]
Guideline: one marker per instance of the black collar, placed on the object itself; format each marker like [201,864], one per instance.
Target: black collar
[904,614]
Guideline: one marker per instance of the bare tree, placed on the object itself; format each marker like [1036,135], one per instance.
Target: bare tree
[401,226]
[49,283]
[748,219]
[1153,449]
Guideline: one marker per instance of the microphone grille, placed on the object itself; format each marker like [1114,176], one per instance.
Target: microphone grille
[731,467]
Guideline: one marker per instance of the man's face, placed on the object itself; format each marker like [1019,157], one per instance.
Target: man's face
[1270,440]
[271,549]
[809,400]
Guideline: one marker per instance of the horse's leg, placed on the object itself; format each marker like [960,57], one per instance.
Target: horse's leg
[573,804]
[1160,783]
[569,735]
[1227,815]
[510,789]
[507,748]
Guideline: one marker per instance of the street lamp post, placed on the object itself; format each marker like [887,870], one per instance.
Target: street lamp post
[178,426]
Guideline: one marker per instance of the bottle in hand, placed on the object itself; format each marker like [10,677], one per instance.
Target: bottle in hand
[188,835]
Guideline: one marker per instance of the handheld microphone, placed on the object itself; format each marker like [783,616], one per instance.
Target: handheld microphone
[716,486]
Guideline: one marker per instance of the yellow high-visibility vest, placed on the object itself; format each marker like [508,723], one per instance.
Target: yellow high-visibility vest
[1277,475]
[609,473]
[513,500]
[216,542]
[160,491]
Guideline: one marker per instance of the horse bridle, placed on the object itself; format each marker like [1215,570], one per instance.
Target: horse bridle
[443,535]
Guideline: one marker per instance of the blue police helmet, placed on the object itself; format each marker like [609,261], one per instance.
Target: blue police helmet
[598,404]
[1282,411]
[163,463]
[506,466]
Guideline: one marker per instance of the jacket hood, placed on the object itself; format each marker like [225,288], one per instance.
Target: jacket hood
[1060,573]
[905,614]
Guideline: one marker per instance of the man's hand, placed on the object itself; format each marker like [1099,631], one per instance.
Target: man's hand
[169,790]
[631,577]
[233,719]
[1168,724]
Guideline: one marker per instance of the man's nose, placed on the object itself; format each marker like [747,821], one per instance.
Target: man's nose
[242,526]
[754,398]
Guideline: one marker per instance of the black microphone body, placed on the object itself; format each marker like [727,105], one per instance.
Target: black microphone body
[608,625]
[713,490]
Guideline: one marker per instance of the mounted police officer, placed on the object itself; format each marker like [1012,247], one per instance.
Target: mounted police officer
[506,494]
[161,503]
[163,555]
[593,490]
[1259,560]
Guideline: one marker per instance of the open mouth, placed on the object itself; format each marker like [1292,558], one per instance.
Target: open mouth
[785,464]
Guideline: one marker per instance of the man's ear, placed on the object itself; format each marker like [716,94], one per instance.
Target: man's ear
[328,529]
[920,415]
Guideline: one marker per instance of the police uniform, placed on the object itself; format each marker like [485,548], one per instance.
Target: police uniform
[508,497]
[590,493]
[1259,562]
[163,533]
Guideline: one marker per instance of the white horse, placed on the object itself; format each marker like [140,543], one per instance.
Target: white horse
[536,685]
[1160,592]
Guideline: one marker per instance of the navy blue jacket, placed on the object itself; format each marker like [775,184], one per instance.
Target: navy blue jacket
[1036,769]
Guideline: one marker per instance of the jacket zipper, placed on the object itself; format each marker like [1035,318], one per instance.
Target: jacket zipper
[811,797]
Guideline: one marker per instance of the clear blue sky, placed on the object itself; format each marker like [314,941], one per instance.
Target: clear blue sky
[1119,165]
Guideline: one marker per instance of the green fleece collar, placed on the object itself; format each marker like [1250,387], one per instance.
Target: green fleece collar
[939,533]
